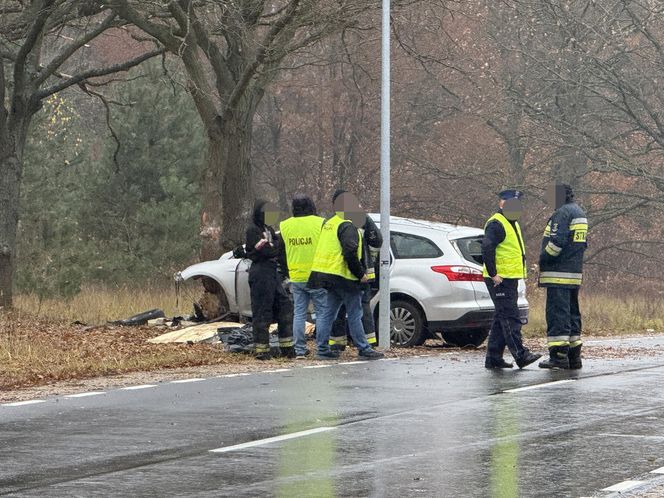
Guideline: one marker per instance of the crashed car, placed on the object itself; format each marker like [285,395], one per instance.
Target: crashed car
[436,283]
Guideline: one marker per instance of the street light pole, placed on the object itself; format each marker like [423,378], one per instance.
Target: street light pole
[384,283]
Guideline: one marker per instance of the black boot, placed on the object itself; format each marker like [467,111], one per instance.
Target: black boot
[557,358]
[527,359]
[288,352]
[496,363]
[574,356]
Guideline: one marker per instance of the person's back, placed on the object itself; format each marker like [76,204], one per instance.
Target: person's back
[300,235]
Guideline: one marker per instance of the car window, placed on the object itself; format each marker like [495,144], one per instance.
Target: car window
[407,246]
[471,249]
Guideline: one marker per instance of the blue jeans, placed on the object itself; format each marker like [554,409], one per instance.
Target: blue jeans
[353,301]
[302,295]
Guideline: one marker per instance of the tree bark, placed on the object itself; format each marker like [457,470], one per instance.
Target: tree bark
[227,181]
[10,191]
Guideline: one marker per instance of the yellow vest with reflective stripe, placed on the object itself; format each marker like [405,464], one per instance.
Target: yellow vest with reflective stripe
[300,235]
[329,256]
[510,252]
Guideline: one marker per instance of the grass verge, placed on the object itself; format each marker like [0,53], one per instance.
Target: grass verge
[40,345]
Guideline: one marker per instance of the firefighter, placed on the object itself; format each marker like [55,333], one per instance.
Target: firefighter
[339,269]
[504,254]
[300,235]
[561,272]
[371,238]
[269,299]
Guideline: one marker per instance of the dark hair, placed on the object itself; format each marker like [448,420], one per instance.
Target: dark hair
[569,193]
[337,193]
[303,205]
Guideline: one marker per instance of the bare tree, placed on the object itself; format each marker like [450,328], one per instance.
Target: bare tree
[231,52]
[28,31]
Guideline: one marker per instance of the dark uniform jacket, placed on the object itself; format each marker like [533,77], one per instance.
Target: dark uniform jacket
[269,254]
[563,245]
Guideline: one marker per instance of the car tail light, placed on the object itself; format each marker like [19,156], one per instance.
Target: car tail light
[458,273]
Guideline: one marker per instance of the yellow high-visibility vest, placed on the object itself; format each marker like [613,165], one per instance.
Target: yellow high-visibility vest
[300,235]
[510,262]
[329,256]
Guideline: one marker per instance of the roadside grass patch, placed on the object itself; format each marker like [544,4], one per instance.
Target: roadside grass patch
[38,351]
[95,305]
[603,314]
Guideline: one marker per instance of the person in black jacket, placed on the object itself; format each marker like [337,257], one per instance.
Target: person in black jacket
[371,238]
[339,269]
[269,300]
[561,272]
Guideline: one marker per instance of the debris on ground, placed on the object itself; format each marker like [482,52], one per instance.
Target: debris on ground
[140,318]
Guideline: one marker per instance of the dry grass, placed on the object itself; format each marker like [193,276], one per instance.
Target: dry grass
[604,314]
[40,345]
[38,351]
[97,305]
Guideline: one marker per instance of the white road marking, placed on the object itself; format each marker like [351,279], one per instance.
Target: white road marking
[623,486]
[185,381]
[638,436]
[658,471]
[22,403]
[243,374]
[353,362]
[317,366]
[538,386]
[142,386]
[85,395]
[260,442]
[276,370]
[389,359]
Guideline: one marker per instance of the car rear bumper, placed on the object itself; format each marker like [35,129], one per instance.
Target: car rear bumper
[478,319]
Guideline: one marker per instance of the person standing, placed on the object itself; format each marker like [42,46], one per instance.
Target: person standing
[269,300]
[561,272]
[338,268]
[504,254]
[300,235]
[371,238]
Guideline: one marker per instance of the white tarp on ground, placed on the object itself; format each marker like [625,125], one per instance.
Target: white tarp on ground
[197,333]
[207,332]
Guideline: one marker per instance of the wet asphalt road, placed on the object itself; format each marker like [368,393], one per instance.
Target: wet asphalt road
[424,426]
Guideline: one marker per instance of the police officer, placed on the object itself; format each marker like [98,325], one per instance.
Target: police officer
[338,268]
[504,254]
[561,272]
[269,299]
[371,238]
[300,235]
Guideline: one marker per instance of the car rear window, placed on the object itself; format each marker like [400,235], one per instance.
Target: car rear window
[407,246]
[471,249]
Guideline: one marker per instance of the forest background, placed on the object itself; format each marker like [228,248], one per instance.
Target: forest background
[486,95]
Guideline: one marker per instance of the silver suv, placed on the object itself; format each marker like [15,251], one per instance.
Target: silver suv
[436,283]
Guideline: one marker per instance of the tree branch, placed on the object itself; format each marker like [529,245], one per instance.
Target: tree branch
[68,51]
[95,73]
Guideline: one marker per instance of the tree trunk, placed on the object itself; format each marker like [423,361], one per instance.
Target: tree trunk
[227,183]
[10,192]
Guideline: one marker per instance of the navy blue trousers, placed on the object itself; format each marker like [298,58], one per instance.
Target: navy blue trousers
[506,326]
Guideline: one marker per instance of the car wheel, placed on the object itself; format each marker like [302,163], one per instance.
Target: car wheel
[406,324]
[465,338]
